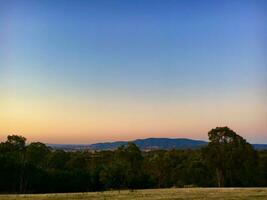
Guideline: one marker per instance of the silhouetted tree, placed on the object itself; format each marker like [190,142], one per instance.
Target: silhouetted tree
[233,160]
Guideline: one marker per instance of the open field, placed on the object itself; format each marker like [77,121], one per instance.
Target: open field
[160,194]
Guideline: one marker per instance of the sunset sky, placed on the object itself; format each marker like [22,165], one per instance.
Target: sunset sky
[91,71]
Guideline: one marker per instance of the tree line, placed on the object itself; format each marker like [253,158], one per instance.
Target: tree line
[227,161]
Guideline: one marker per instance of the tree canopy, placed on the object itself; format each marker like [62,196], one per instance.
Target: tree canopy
[227,160]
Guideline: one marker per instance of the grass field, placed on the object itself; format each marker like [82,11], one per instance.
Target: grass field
[157,194]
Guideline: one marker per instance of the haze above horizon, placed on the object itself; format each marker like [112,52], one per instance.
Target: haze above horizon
[92,71]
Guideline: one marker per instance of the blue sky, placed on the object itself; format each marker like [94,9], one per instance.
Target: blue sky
[123,55]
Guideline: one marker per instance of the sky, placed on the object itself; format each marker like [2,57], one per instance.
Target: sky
[92,71]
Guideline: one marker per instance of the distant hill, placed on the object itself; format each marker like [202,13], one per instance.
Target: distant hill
[154,143]
[260,146]
[144,144]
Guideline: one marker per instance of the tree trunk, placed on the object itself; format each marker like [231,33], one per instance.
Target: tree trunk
[220,177]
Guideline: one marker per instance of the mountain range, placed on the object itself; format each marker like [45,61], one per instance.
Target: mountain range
[144,144]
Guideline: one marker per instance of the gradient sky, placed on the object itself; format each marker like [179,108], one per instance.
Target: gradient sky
[88,71]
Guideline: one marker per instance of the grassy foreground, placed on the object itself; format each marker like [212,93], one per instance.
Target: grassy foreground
[176,194]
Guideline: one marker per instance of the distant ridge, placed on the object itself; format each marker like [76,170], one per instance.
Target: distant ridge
[144,144]
[260,146]
[154,143]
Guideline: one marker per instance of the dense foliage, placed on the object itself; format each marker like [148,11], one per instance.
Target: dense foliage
[228,160]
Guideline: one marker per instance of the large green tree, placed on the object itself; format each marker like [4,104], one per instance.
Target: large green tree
[231,158]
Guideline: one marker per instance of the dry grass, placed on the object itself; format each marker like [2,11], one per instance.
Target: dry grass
[157,194]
